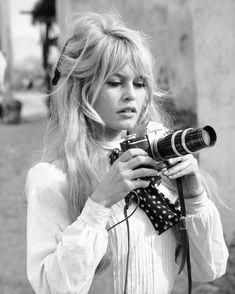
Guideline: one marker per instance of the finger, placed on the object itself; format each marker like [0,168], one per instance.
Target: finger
[181,173]
[130,153]
[172,161]
[144,172]
[140,161]
[189,169]
[139,184]
[177,168]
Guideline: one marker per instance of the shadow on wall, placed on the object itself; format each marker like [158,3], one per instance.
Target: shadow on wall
[174,116]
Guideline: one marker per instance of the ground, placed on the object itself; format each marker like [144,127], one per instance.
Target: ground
[20,146]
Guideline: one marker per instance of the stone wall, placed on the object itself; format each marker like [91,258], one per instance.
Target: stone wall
[214,45]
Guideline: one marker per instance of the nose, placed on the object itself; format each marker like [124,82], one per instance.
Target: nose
[128,92]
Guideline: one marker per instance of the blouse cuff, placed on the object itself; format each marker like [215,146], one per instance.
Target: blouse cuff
[95,214]
[196,204]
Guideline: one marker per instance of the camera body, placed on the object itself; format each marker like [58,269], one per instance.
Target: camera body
[140,142]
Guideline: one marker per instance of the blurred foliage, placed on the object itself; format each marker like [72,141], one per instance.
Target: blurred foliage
[43,9]
[44,13]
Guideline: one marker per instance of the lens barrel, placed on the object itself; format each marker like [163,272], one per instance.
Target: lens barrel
[184,142]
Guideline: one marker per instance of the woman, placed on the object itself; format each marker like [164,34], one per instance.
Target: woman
[105,86]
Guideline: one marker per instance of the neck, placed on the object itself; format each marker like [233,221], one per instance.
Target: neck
[107,136]
[104,134]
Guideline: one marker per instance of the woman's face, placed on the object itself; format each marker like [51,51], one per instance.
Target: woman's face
[120,101]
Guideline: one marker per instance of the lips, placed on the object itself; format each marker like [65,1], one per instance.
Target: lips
[127,110]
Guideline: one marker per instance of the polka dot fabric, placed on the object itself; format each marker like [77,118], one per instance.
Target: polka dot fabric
[162,213]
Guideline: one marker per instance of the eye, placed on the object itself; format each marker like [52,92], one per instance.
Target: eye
[115,83]
[140,83]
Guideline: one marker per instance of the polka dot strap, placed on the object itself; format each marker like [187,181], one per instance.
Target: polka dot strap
[162,213]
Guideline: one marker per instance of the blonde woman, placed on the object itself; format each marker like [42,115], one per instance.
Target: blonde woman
[105,86]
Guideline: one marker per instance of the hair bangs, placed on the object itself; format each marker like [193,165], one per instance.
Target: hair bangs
[125,51]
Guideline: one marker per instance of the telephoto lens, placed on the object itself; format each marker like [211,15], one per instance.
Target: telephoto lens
[183,142]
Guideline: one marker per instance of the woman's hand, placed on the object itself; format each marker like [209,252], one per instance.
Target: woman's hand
[187,168]
[123,175]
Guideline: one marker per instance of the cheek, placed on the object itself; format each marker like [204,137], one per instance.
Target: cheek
[142,101]
[109,99]
[108,102]
[105,107]
[99,103]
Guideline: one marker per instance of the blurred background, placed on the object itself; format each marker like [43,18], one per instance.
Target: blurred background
[194,42]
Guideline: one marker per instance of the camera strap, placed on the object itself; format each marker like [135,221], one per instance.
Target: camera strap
[184,236]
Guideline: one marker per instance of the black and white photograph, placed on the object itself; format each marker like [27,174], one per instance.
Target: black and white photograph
[117,147]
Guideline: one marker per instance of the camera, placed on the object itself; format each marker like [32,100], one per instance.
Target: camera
[178,143]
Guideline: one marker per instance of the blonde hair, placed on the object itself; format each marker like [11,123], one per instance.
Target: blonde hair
[98,46]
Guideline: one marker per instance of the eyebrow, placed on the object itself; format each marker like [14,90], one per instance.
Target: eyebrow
[119,75]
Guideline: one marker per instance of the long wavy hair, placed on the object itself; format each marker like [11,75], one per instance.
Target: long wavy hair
[99,46]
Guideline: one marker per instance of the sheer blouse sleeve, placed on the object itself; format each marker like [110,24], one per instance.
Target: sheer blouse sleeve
[62,256]
[208,250]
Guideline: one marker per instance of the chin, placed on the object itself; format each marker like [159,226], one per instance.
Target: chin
[129,125]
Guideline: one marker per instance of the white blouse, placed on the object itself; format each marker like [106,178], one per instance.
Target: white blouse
[62,255]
